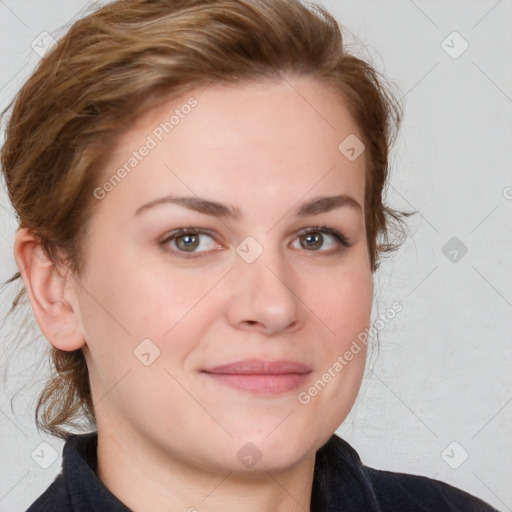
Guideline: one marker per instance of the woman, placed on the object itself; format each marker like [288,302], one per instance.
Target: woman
[199,188]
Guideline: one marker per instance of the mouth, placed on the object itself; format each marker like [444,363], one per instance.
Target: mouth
[260,376]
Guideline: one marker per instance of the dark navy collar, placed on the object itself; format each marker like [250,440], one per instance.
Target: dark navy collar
[86,491]
[341,482]
[337,465]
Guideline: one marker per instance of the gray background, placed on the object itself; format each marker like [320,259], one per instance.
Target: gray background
[440,388]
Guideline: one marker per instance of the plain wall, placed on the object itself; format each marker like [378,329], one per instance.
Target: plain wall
[437,397]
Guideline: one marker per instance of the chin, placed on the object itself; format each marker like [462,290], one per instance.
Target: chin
[274,452]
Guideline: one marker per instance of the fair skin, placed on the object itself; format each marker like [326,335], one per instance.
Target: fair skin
[169,433]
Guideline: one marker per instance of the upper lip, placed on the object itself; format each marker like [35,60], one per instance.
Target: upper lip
[260,367]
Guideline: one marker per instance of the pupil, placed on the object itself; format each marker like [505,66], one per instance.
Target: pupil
[312,239]
[189,241]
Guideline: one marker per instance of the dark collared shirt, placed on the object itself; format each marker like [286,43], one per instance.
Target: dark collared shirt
[340,483]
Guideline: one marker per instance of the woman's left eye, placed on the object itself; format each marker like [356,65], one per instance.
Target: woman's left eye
[314,238]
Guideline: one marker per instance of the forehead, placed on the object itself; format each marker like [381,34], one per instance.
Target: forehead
[281,138]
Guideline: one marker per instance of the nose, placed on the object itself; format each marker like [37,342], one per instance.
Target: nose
[264,296]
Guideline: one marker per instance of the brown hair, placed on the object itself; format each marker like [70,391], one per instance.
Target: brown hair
[125,57]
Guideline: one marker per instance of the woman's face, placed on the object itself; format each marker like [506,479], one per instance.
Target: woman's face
[158,314]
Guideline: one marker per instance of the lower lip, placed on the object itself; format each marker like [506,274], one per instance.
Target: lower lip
[263,384]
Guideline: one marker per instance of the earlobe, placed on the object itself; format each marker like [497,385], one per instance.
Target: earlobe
[47,290]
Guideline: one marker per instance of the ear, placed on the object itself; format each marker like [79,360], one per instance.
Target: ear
[50,293]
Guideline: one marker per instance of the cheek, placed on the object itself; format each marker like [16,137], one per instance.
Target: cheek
[343,302]
[126,302]
[175,303]
[151,315]
[142,298]
[345,307]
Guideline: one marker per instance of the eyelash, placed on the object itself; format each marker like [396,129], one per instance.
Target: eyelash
[169,237]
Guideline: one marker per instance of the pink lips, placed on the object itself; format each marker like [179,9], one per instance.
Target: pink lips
[259,376]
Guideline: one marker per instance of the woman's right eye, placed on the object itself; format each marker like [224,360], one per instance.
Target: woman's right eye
[185,242]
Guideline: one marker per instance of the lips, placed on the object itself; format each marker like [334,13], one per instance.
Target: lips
[260,367]
[260,376]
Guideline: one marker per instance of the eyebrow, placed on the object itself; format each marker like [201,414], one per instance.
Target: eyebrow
[315,206]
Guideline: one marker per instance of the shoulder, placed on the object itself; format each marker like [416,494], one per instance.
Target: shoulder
[54,499]
[77,488]
[57,498]
[340,478]
[401,490]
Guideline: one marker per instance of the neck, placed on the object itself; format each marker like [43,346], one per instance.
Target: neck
[146,479]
